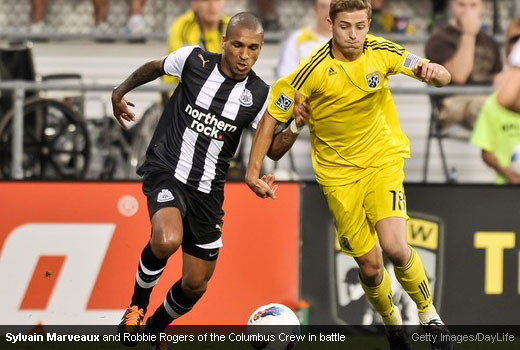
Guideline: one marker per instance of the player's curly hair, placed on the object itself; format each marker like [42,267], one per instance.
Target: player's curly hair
[337,6]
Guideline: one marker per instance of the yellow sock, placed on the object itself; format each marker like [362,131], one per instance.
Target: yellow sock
[381,299]
[414,281]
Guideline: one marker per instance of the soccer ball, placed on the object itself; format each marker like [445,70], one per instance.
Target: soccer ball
[273,327]
[515,160]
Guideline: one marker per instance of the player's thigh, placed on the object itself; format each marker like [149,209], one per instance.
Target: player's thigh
[353,232]
[166,207]
[385,194]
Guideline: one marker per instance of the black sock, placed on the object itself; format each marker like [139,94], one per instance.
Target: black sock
[176,304]
[149,270]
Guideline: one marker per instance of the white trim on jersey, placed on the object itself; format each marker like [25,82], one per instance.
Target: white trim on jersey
[233,103]
[183,169]
[210,165]
[260,114]
[210,88]
[174,62]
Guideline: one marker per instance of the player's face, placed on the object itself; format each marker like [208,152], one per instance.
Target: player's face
[240,51]
[209,11]
[349,30]
[461,8]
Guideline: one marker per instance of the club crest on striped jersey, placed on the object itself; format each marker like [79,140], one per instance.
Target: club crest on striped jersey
[284,102]
[246,99]
[373,79]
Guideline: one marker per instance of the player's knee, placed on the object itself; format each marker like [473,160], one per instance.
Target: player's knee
[165,242]
[398,254]
[371,274]
[194,287]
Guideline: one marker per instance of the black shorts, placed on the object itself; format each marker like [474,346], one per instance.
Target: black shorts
[201,213]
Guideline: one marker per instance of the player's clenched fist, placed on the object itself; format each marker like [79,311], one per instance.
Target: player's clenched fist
[432,73]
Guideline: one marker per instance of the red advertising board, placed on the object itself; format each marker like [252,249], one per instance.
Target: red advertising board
[69,252]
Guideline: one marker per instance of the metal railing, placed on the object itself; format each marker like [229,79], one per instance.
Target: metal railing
[20,87]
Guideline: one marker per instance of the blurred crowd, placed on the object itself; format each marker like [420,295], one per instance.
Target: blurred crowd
[389,16]
[459,39]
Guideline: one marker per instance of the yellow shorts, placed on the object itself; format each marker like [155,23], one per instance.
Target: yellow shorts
[358,206]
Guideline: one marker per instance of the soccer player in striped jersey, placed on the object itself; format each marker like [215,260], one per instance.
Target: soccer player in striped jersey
[186,163]
[358,152]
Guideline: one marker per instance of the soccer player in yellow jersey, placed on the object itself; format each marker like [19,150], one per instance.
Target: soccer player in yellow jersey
[203,25]
[358,152]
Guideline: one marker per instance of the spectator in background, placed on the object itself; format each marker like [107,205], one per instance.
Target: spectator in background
[497,131]
[303,41]
[269,15]
[203,25]
[469,54]
[135,21]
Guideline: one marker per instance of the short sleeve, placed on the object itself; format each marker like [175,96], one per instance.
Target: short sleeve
[173,64]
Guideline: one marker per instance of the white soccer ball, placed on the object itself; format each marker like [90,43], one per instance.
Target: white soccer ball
[273,327]
[515,160]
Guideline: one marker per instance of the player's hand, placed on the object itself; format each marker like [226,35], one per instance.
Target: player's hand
[302,111]
[264,187]
[427,71]
[121,109]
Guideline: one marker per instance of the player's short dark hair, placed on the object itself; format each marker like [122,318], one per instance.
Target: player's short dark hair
[245,20]
[337,6]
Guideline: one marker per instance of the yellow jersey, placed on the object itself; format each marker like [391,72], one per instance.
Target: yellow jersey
[186,31]
[353,124]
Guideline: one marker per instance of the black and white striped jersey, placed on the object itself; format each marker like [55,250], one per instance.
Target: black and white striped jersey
[200,128]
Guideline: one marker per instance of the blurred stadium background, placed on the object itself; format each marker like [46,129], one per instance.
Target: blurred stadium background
[452,225]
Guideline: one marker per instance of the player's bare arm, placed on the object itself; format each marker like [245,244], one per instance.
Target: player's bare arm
[261,144]
[142,75]
[275,146]
[284,140]
[432,73]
